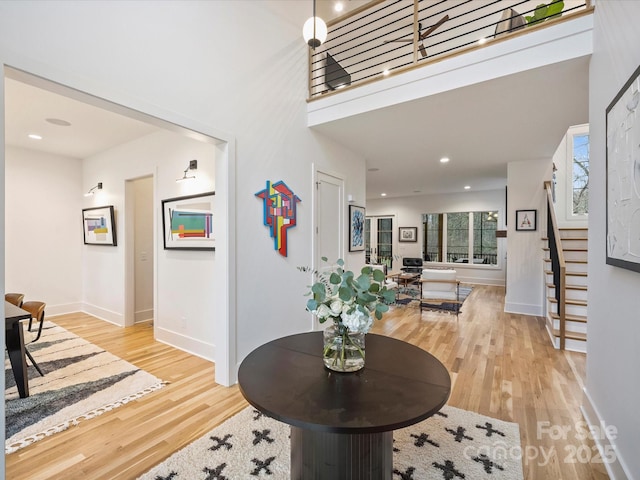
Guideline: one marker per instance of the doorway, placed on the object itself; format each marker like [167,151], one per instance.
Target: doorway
[140,251]
[329,233]
[224,273]
[378,240]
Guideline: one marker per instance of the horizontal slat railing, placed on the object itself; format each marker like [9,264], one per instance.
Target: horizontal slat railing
[384,37]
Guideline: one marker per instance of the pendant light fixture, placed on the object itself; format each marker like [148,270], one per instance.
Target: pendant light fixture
[314,30]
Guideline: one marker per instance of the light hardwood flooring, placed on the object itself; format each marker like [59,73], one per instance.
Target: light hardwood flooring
[502,365]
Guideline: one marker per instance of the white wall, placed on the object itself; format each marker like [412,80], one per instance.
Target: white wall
[613,383]
[43,229]
[525,282]
[407,212]
[184,311]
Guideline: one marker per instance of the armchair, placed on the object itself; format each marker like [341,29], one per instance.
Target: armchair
[440,290]
[411,265]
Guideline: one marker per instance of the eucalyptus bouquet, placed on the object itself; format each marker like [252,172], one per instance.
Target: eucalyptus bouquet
[351,303]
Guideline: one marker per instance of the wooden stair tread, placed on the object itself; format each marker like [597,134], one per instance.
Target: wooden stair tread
[576,274]
[569,287]
[571,335]
[570,318]
[581,303]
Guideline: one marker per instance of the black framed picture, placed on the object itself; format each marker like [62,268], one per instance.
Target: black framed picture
[356,228]
[99,226]
[187,222]
[623,177]
[408,234]
[526,220]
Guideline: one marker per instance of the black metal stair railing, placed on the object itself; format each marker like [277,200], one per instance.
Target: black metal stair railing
[558,266]
[391,36]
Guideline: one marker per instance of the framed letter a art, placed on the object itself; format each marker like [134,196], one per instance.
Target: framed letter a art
[356,228]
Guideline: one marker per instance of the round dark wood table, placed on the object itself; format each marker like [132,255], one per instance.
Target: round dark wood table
[342,423]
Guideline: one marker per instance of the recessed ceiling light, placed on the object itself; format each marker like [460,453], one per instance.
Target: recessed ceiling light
[34,136]
[444,160]
[338,7]
[372,169]
[482,41]
[383,194]
[58,121]
[467,187]
[386,72]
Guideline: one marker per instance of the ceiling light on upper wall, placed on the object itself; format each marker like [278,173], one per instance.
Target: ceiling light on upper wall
[34,136]
[338,7]
[383,194]
[467,187]
[58,121]
[444,160]
[314,30]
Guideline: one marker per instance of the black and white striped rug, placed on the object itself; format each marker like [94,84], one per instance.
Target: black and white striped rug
[81,381]
[452,445]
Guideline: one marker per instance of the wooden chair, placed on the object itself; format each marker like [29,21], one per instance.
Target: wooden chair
[36,309]
[15,298]
[440,287]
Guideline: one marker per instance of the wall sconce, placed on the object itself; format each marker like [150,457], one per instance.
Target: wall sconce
[193,165]
[92,190]
[314,30]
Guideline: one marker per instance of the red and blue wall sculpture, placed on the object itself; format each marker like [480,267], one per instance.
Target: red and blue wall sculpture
[279,206]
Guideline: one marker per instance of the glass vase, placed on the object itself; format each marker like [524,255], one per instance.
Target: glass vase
[343,350]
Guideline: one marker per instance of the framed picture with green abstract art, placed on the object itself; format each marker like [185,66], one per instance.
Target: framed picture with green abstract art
[99,226]
[187,222]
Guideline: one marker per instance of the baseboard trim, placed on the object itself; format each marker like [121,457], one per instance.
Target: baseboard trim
[200,349]
[523,309]
[98,312]
[617,468]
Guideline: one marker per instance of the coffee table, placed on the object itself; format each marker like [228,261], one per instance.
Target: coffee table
[342,423]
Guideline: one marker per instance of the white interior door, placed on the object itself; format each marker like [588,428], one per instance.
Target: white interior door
[329,220]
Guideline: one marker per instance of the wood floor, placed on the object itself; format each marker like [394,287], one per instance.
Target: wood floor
[502,365]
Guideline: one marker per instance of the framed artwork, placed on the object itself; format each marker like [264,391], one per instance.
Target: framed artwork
[408,234]
[99,226]
[623,176]
[526,219]
[356,228]
[187,222]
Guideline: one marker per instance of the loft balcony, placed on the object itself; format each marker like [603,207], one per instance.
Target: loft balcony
[389,52]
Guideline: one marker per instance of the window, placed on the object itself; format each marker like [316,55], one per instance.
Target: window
[580,175]
[460,236]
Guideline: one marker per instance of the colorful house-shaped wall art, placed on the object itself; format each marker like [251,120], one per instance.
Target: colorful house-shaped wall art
[279,207]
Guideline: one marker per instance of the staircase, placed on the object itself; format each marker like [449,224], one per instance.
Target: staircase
[573,242]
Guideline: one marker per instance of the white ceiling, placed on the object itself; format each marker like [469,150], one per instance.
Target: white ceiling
[481,128]
[92,129]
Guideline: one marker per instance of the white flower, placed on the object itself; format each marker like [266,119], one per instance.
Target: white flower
[323,311]
[357,321]
[336,308]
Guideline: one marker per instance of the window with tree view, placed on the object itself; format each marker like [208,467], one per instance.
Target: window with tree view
[461,237]
[580,175]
